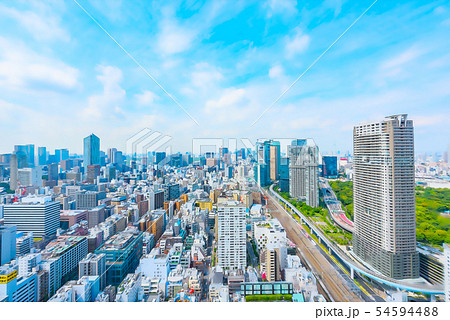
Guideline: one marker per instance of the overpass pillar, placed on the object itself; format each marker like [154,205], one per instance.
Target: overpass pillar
[320,241]
[432,298]
[352,273]
[329,251]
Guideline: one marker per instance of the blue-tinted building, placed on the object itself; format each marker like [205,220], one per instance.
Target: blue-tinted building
[62,154]
[42,156]
[91,151]
[268,161]
[25,155]
[122,251]
[329,167]
[284,174]
[7,244]
[159,156]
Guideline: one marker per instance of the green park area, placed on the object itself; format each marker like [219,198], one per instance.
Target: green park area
[268,297]
[433,224]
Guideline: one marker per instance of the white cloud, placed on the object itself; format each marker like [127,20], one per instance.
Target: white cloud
[174,38]
[23,68]
[296,44]
[285,7]
[41,25]
[109,101]
[146,98]
[401,59]
[276,72]
[229,99]
[205,75]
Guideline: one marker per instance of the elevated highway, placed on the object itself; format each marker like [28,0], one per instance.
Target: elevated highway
[352,264]
[334,207]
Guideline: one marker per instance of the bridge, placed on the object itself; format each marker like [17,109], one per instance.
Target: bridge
[353,265]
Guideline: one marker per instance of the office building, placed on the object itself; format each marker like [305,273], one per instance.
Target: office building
[88,199]
[14,172]
[284,175]
[61,154]
[92,172]
[7,244]
[17,289]
[304,171]
[28,152]
[123,251]
[68,218]
[26,263]
[24,243]
[53,172]
[329,167]
[274,160]
[94,265]
[42,156]
[30,177]
[39,215]
[91,151]
[384,196]
[85,289]
[61,257]
[231,244]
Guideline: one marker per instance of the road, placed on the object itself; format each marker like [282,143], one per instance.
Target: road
[333,282]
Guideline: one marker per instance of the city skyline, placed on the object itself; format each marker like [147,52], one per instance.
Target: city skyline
[218,62]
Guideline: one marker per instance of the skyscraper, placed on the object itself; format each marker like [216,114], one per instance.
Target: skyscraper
[304,171]
[14,172]
[61,154]
[268,161]
[274,160]
[231,246]
[25,155]
[42,156]
[384,196]
[91,153]
[112,155]
[329,167]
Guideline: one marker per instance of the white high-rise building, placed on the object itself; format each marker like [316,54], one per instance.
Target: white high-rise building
[304,171]
[447,271]
[384,196]
[30,177]
[231,244]
[39,215]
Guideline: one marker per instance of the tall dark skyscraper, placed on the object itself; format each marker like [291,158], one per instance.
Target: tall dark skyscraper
[91,151]
[384,196]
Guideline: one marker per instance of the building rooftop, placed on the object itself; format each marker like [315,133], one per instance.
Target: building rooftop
[72,212]
[60,245]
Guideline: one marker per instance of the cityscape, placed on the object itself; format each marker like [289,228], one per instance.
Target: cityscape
[197,151]
[266,224]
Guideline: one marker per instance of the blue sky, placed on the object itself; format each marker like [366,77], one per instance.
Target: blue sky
[62,77]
